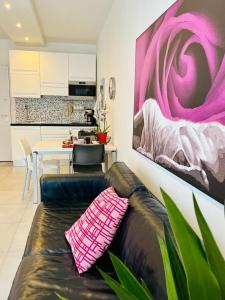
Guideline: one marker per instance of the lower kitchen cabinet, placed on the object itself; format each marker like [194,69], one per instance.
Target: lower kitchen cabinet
[31,133]
[53,133]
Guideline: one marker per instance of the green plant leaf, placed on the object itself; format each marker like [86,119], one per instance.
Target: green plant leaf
[121,292]
[128,280]
[201,282]
[214,256]
[170,284]
[146,288]
[61,297]
[176,266]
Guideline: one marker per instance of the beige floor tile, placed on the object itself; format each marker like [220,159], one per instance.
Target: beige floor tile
[11,197]
[15,221]
[7,232]
[29,213]
[11,213]
[11,184]
[19,240]
[2,256]
[7,273]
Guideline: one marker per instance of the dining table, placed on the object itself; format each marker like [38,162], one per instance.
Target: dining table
[52,147]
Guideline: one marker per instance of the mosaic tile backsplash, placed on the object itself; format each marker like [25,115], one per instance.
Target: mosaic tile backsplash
[50,109]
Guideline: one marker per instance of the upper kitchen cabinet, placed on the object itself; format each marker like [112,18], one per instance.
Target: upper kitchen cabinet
[34,73]
[25,85]
[82,67]
[24,61]
[54,73]
[24,74]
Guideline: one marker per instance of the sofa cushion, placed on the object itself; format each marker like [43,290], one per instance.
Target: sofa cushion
[39,277]
[123,180]
[47,232]
[92,234]
[136,241]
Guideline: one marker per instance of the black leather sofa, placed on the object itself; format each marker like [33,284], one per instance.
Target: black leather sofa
[48,266]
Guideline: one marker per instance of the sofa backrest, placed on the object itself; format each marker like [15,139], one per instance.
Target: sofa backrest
[123,180]
[67,190]
[136,241]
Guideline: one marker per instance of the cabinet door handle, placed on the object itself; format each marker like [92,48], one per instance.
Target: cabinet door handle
[53,83]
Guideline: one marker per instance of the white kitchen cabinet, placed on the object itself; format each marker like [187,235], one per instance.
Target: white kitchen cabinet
[54,132]
[24,74]
[54,73]
[34,73]
[24,61]
[25,85]
[82,67]
[31,133]
[75,130]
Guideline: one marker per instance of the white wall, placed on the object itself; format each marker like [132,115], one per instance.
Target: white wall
[4,51]
[116,57]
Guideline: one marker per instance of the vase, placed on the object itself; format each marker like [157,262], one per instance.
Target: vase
[102,137]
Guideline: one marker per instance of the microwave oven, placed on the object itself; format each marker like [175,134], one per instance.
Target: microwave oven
[82,90]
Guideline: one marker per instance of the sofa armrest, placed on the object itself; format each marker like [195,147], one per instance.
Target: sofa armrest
[66,190]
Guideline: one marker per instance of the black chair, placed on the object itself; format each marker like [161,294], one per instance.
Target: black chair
[88,158]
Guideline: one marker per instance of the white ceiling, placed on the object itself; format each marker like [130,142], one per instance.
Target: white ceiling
[78,21]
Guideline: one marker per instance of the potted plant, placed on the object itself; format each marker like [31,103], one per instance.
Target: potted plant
[103,129]
[194,268]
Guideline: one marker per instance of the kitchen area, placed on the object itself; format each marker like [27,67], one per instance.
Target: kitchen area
[45,96]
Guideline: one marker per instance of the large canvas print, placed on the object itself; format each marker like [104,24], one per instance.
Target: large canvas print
[179,97]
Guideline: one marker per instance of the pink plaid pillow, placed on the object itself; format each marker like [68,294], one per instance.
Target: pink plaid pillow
[93,232]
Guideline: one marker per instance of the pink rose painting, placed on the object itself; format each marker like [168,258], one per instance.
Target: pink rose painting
[179,97]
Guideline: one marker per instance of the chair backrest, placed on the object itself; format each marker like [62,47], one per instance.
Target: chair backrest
[88,154]
[26,149]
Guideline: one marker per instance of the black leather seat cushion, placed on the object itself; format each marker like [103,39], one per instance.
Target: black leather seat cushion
[135,243]
[47,232]
[39,277]
[123,180]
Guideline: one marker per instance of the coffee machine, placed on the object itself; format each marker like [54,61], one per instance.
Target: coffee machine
[89,115]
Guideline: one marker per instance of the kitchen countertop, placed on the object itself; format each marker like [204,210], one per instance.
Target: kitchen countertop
[53,124]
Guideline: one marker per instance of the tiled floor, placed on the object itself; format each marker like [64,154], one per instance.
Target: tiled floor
[15,221]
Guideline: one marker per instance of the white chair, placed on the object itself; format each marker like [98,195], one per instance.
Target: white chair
[48,165]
